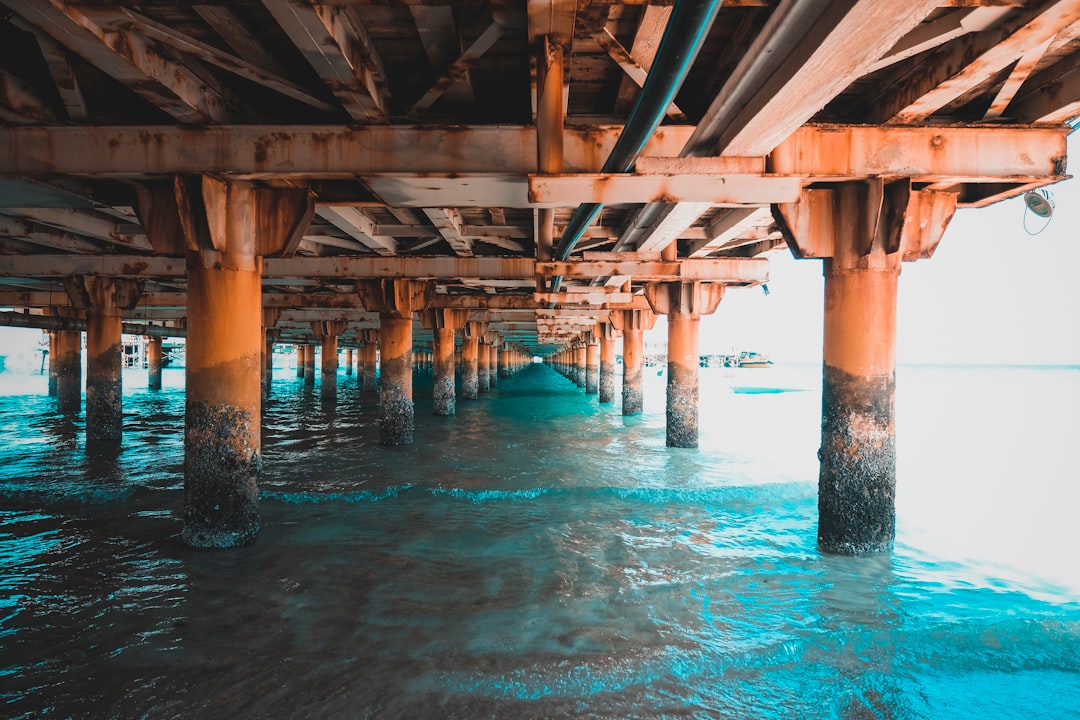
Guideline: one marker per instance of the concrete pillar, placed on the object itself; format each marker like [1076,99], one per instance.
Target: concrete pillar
[684,303]
[444,323]
[592,363]
[327,332]
[299,361]
[67,359]
[51,357]
[226,227]
[581,365]
[309,365]
[348,361]
[506,362]
[153,363]
[270,321]
[369,358]
[633,324]
[395,300]
[862,230]
[608,333]
[473,354]
[493,361]
[483,366]
[104,299]
[470,367]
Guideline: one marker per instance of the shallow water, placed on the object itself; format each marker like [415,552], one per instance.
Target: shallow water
[541,556]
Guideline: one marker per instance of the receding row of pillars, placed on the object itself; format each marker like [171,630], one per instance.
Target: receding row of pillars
[224,228]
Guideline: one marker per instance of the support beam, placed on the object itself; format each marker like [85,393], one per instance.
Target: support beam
[684,304]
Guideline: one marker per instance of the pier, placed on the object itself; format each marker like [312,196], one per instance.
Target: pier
[406,181]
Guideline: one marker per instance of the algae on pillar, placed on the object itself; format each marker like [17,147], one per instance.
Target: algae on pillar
[104,299]
[396,300]
[863,230]
[684,303]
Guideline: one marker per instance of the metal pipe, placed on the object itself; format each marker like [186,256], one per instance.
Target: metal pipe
[685,32]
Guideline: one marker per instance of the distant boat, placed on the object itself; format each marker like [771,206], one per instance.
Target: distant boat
[749,359]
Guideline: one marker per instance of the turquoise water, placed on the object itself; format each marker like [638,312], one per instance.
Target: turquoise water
[541,556]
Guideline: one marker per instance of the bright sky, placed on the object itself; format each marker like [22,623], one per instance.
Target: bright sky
[992,293]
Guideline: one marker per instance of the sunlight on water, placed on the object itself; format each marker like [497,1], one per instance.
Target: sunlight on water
[543,556]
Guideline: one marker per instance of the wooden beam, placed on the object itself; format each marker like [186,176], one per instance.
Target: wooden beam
[82,223]
[959,67]
[1051,96]
[59,64]
[449,224]
[935,34]
[230,63]
[358,226]
[129,59]
[654,19]
[459,68]
[438,34]
[336,46]
[64,241]
[636,73]
[20,103]
[807,54]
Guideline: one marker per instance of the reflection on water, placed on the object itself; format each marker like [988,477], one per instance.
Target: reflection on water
[536,556]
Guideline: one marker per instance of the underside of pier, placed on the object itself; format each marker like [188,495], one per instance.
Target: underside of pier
[541,173]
